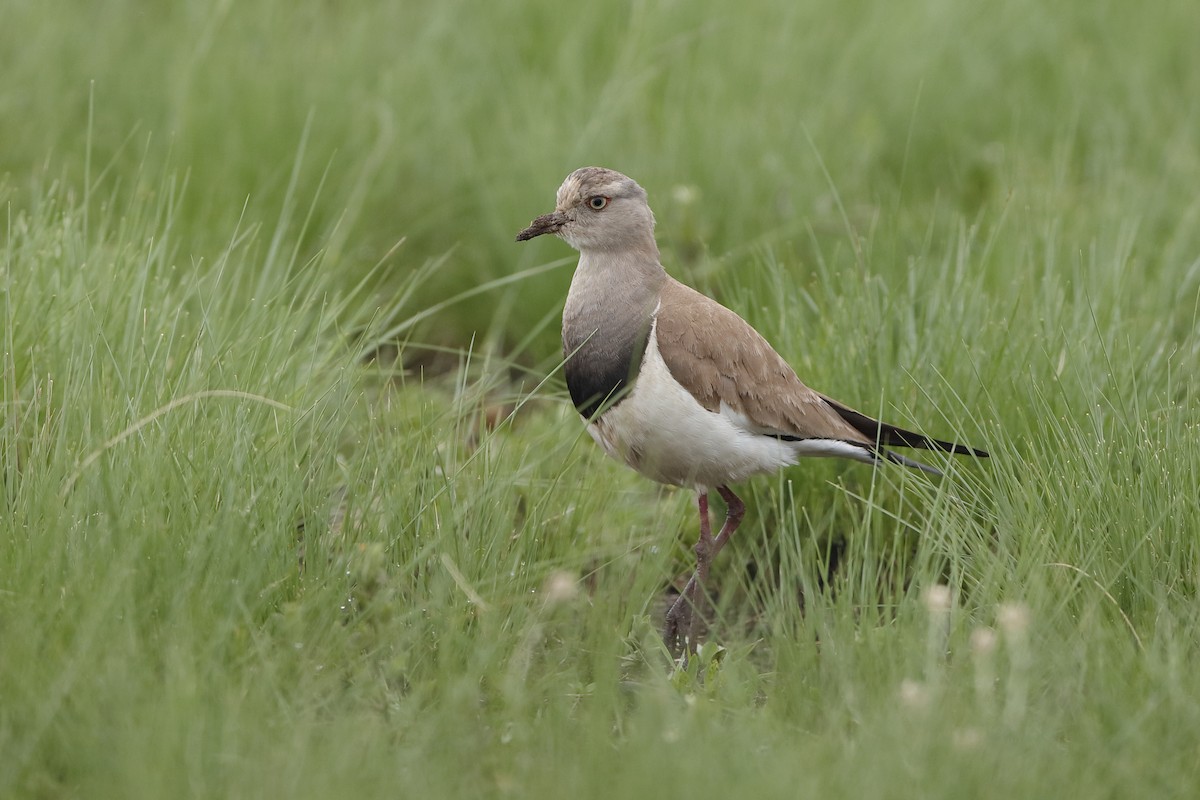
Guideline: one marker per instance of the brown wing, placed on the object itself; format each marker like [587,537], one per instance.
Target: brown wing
[719,358]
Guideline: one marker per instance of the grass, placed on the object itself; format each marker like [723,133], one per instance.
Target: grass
[247,552]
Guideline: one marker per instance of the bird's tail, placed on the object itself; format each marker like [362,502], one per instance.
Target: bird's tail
[884,434]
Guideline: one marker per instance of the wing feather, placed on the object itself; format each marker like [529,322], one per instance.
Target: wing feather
[722,360]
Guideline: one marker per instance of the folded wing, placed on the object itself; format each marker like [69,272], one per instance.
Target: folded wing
[730,368]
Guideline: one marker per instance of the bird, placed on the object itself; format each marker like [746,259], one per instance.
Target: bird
[681,388]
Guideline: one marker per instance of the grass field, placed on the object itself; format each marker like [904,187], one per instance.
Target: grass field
[295,504]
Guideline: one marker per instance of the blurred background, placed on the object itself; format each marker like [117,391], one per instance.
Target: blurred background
[800,129]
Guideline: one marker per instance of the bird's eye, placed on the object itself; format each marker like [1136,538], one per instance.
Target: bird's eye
[598,202]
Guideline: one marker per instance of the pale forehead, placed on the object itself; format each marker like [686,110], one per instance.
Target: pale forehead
[588,181]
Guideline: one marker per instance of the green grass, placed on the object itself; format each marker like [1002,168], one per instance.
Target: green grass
[980,222]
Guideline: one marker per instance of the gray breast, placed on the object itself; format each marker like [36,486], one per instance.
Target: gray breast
[602,359]
[606,324]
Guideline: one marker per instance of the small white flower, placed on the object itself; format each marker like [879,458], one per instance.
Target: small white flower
[937,598]
[685,194]
[1013,619]
[560,587]
[983,641]
[914,694]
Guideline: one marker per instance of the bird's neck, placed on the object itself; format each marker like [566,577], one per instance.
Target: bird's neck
[625,282]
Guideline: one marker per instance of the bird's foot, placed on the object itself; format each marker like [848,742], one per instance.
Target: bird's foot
[677,627]
[683,621]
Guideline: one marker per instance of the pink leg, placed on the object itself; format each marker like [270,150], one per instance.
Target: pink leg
[735,509]
[683,619]
[679,616]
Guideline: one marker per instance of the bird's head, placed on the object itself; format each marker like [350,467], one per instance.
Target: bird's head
[597,209]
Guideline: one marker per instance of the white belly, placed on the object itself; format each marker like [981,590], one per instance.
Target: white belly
[661,431]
